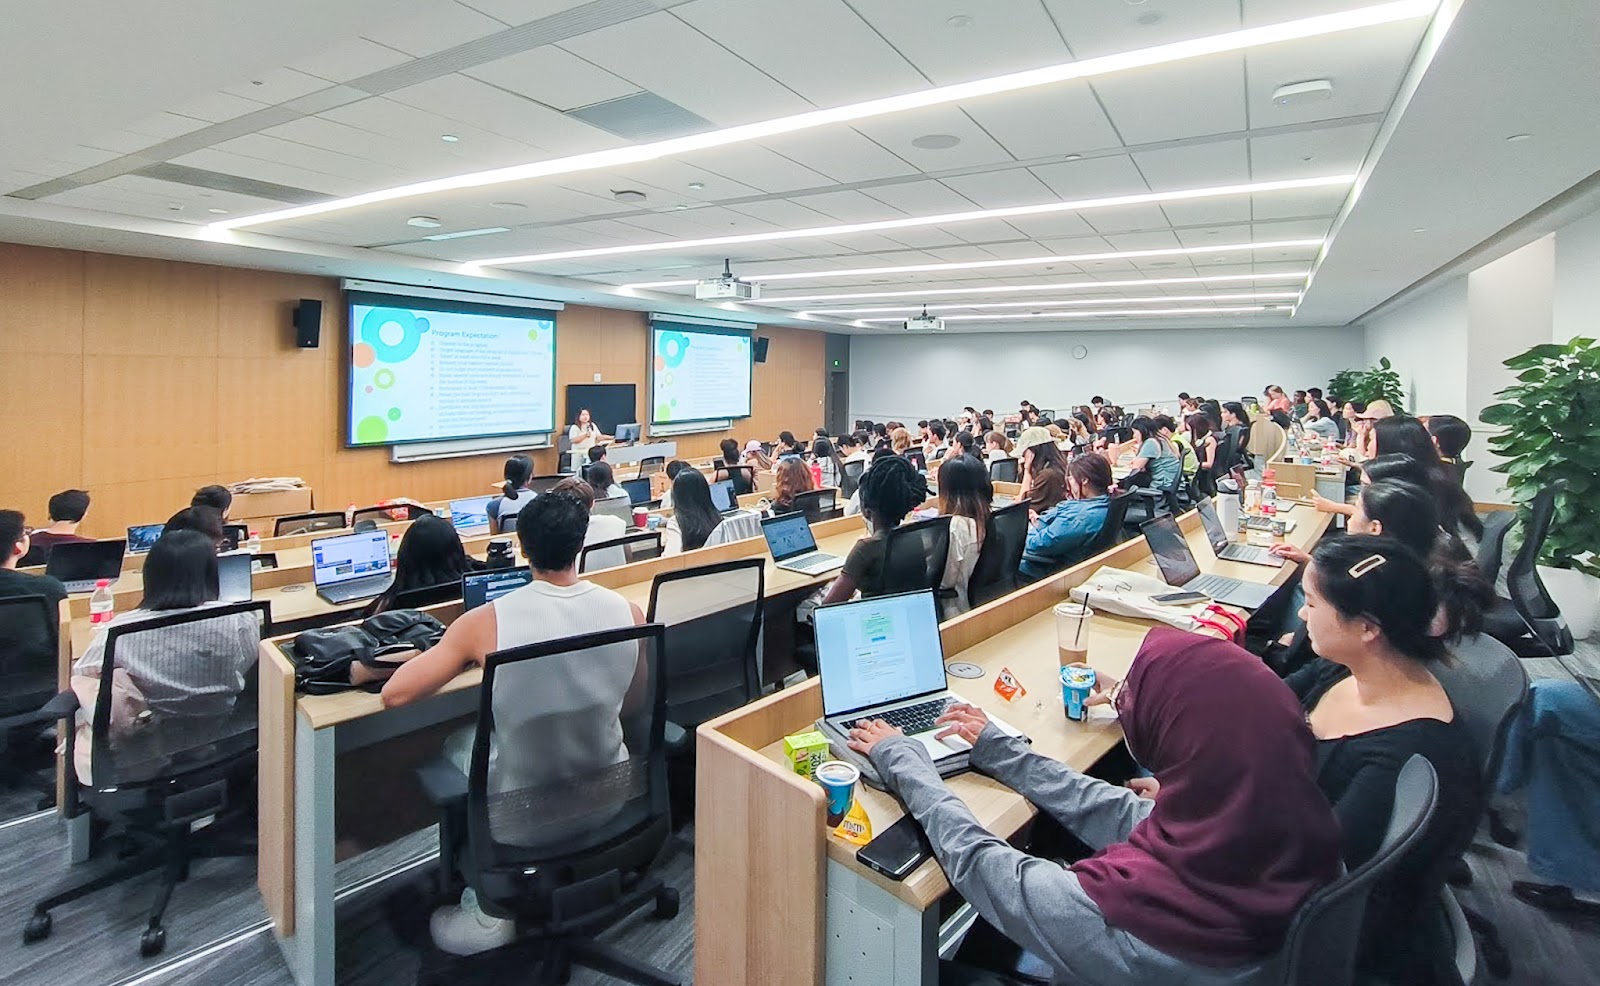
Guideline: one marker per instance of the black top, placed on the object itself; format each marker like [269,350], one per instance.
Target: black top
[20,631]
[864,564]
[1358,774]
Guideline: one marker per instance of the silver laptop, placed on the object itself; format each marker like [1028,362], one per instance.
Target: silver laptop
[723,498]
[349,567]
[793,548]
[470,515]
[81,564]
[143,537]
[881,658]
[1250,554]
[1179,569]
[233,577]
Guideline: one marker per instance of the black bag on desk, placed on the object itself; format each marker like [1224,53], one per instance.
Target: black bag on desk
[323,658]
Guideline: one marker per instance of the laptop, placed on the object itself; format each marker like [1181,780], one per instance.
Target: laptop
[470,515]
[142,538]
[233,578]
[723,498]
[1250,554]
[349,567]
[638,490]
[234,535]
[478,588]
[1178,568]
[881,658]
[793,548]
[80,564]
[630,432]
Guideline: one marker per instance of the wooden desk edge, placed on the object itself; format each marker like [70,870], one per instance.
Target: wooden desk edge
[275,786]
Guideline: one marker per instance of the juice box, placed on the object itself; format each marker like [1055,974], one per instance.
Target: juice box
[805,751]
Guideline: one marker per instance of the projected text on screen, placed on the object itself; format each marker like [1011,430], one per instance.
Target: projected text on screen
[699,375]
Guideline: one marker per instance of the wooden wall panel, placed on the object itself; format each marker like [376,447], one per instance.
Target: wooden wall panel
[150,378]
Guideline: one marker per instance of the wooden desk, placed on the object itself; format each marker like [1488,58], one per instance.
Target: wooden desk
[312,745]
[777,905]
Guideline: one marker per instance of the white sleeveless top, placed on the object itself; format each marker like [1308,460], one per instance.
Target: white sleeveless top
[576,731]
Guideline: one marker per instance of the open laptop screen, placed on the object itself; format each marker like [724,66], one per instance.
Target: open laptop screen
[142,537]
[479,588]
[233,578]
[85,561]
[638,490]
[470,515]
[349,556]
[1171,551]
[878,650]
[1215,532]
[722,495]
[788,535]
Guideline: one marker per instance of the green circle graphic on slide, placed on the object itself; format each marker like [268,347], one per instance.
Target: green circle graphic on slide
[384,378]
[394,414]
[371,429]
[663,412]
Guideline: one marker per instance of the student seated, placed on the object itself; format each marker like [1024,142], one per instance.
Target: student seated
[965,443]
[1406,435]
[673,468]
[515,493]
[67,510]
[1155,465]
[604,482]
[431,554]
[1236,422]
[1198,884]
[1044,476]
[218,498]
[787,445]
[23,635]
[900,441]
[743,480]
[1204,443]
[696,522]
[1061,534]
[794,477]
[828,460]
[556,604]
[1450,436]
[597,453]
[1372,704]
[601,527]
[996,446]
[753,456]
[206,520]
[966,496]
[1319,422]
[889,491]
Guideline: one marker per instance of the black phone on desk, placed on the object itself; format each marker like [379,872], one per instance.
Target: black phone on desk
[898,850]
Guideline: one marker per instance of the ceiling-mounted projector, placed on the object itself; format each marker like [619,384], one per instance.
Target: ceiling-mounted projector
[924,322]
[726,287]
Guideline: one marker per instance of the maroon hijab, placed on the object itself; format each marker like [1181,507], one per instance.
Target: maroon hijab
[1240,833]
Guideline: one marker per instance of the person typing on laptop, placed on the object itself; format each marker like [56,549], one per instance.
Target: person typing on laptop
[23,634]
[889,491]
[67,510]
[431,554]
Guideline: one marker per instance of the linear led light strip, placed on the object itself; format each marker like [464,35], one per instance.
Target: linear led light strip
[1309,27]
[1155,299]
[1139,313]
[1293,275]
[991,264]
[946,219]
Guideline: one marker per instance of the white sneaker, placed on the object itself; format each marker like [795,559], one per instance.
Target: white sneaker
[465,930]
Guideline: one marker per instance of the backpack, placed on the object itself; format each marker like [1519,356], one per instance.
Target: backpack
[323,658]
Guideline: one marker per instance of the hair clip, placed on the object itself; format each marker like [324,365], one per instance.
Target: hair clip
[1366,565]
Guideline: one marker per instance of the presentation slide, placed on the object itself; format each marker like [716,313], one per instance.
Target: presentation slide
[428,370]
[698,373]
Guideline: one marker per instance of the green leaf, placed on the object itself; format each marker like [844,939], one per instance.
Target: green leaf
[1544,351]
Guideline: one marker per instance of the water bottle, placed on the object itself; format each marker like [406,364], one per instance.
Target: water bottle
[102,605]
[252,544]
[816,475]
[350,515]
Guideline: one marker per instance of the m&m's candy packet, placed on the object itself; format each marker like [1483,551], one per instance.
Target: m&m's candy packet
[1007,685]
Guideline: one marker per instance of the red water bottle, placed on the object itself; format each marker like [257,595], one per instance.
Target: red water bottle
[816,474]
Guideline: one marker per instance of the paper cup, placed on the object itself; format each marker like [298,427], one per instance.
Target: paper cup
[838,780]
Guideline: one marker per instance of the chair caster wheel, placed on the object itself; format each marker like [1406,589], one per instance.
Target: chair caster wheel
[152,941]
[37,928]
[666,904]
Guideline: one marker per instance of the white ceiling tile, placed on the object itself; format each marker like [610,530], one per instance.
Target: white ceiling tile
[1365,67]
[1334,151]
[294,174]
[1126,218]
[654,53]
[522,11]
[351,60]
[923,237]
[1094,29]
[757,167]
[1195,166]
[1298,203]
[1200,212]
[458,97]
[786,214]
[1002,189]
[1153,240]
[271,148]
[841,154]
[1190,98]
[1291,229]
[899,131]
[850,207]
[1053,225]
[1061,119]
[1092,178]
[1002,36]
[441,27]
[921,198]
[991,233]
[819,49]
[555,77]
[277,85]
[1208,235]
[219,106]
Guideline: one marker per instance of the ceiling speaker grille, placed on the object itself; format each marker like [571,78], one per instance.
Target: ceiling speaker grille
[642,116]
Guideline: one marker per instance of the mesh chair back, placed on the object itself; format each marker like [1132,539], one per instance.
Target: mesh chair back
[652,464]
[712,616]
[1522,578]
[1491,547]
[918,461]
[385,515]
[640,546]
[1320,947]
[1111,531]
[852,478]
[620,507]
[568,766]
[1004,471]
[427,595]
[330,520]
[202,727]
[744,478]
[995,572]
[544,484]
[29,645]
[1227,452]
[1487,686]
[913,559]
[817,505]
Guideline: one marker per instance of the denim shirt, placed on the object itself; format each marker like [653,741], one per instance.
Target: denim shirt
[1061,532]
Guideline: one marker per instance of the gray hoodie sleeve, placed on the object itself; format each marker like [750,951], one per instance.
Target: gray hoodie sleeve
[1099,813]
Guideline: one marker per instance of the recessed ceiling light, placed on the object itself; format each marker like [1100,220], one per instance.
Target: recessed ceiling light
[960,20]
[1151,17]
[174,208]
[1241,40]
[465,233]
[1300,93]
[218,212]
[1518,138]
[1154,299]
[1120,313]
[697,185]
[1073,157]
[424,222]
[679,207]
[1028,288]
[628,195]
[509,205]
[1420,229]
[936,142]
[449,138]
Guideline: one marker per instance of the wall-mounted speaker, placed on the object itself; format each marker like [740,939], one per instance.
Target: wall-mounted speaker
[761,348]
[308,323]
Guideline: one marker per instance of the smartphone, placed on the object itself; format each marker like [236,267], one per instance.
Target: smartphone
[898,850]
[1180,598]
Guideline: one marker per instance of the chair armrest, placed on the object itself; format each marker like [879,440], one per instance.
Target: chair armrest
[443,783]
[59,707]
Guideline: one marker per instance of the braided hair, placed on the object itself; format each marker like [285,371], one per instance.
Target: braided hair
[891,489]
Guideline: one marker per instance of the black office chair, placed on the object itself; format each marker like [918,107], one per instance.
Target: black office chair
[1149,502]
[29,654]
[155,778]
[1320,946]
[1529,622]
[995,572]
[564,844]
[1461,467]
[818,505]
[427,595]
[918,461]
[1112,531]
[1491,547]
[544,484]
[744,477]
[328,520]
[389,515]
[652,464]
[1004,471]
[364,525]
[852,478]
[639,546]
[915,555]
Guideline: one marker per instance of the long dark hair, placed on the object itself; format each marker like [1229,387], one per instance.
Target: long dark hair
[181,571]
[965,490]
[822,448]
[692,508]
[519,470]
[1046,455]
[601,478]
[1405,435]
[431,553]
[1410,515]
[1382,580]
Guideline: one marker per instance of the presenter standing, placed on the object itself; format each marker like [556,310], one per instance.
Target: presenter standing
[583,434]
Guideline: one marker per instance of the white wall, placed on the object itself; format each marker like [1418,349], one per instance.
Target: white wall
[908,376]
[1576,300]
[1425,342]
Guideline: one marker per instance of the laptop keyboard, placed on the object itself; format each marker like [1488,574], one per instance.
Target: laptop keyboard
[350,591]
[911,719]
[815,563]
[1244,552]
[1213,585]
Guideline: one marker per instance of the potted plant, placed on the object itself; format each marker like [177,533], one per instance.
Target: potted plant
[1380,382]
[1551,431]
